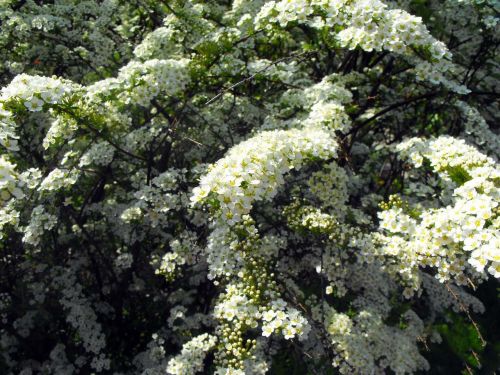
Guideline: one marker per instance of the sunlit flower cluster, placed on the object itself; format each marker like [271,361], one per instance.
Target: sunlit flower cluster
[369,24]
[8,180]
[254,169]
[35,91]
[466,231]
[280,318]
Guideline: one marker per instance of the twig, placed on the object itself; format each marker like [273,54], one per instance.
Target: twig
[253,75]
[466,311]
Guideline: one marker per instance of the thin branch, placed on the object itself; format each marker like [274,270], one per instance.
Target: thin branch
[466,311]
[222,92]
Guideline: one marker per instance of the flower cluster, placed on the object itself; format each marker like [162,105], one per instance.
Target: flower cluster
[40,223]
[190,360]
[330,187]
[464,232]
[254,169]
[58,179]
[373,26]
[367,331]
[8,136]
[280,318]
[183,249]
[368,24]
[9,181]
[82,317]
[477,128]
[243,307]
[31,93]
[35,91]
[140,82]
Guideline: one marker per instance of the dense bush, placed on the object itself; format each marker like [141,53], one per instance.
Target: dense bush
[249,187]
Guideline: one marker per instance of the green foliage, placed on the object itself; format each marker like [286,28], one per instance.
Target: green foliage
[463,338]
[458,175]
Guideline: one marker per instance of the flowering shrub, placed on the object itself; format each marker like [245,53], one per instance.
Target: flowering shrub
[246,187]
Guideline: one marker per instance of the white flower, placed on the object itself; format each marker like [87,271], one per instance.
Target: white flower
[34,104]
